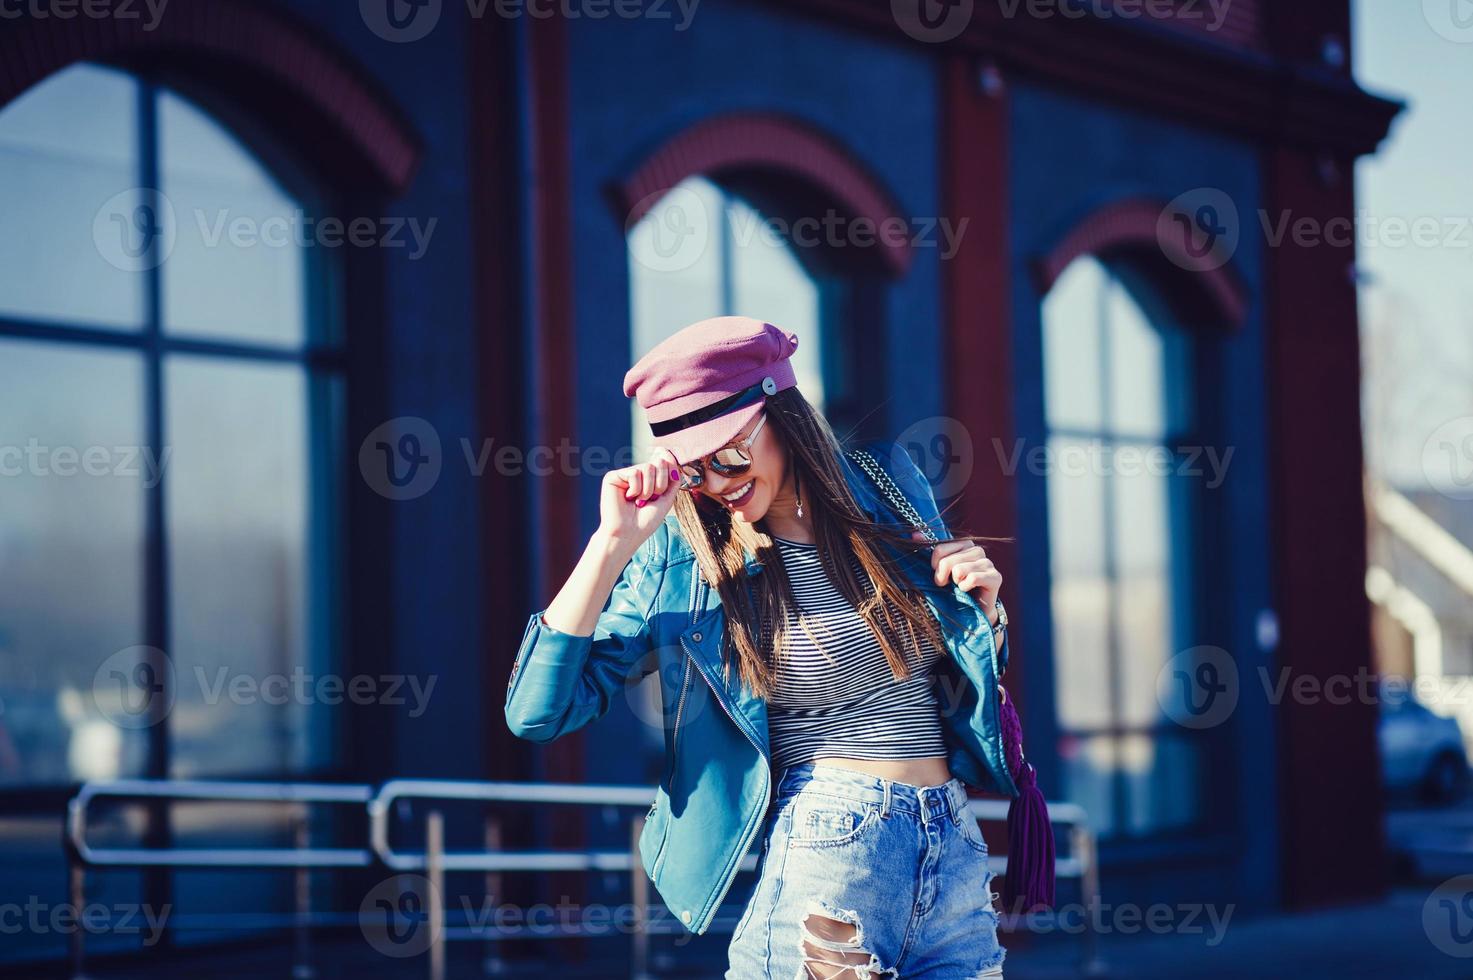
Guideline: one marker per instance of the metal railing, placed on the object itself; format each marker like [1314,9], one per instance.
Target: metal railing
[301,858]
[434,861]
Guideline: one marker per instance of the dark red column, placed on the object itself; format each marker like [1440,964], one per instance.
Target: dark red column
[1331,820]
[1329,764]
[977,292]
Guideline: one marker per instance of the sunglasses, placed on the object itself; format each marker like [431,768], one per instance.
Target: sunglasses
[732,460]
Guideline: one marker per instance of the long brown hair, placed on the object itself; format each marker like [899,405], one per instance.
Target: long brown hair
[757,617]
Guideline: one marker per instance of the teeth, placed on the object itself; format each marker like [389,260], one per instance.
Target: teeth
[738,492]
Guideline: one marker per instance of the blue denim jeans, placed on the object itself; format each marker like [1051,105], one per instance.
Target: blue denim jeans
[879,878]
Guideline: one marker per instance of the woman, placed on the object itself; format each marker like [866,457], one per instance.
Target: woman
[829,672]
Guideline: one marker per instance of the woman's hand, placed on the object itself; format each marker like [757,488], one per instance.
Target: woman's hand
[635,499]
[965,563]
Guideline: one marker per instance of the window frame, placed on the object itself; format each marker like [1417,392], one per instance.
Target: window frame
[1188,576]
[322,358]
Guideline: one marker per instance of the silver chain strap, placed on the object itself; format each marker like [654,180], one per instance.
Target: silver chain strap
[899,503]
[886,485]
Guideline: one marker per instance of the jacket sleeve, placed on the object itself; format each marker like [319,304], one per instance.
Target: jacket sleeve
[917,489]
[561,682]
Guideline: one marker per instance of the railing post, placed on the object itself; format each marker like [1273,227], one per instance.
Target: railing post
[302,899]
[77,895]
[639,895]
[435,900]
[492,965]
[1082,843]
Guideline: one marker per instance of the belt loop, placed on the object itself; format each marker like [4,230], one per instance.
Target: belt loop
[885,806]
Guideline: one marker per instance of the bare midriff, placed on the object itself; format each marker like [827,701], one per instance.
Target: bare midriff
[916,772]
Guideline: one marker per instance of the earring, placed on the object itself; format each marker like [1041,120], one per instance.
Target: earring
[797,492]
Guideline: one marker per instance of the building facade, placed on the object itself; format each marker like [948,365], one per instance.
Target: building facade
[1032,244]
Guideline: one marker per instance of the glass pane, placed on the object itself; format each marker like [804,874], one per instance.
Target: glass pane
[1080,589]
[675,274]
[770,284]
[675,263]
[73,474]
[1163,781]
[1137,381]
[238,268]
[1143,589]
[238,561]
[77,232]
[1089,767]
[1150,371]
[1072,356]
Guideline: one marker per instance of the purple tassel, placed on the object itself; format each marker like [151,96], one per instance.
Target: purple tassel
[1030,879]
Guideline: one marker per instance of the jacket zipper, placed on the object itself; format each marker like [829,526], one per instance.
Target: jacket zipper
[695,598]
[752,826]
[680,710]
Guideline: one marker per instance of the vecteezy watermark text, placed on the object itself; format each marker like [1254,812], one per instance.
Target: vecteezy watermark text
[38,460]
[138,687]
[1098,458]
[38,917]
[302,688]
[151,12]
[406,21]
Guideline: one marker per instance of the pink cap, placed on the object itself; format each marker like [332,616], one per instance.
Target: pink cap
[700,387]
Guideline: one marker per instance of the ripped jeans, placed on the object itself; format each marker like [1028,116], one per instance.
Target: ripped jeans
[862,878]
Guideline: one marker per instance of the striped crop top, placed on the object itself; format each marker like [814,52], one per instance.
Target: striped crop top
[834,693]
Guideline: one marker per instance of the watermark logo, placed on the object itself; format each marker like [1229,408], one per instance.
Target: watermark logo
[1199,230]
[395,916]
[401,459]
[1198,688]
[673,233]
[135,230]
[932,21]
[941,448]
[1451,19]
[1447,458]
[682,694]
[134,688]
[400,21]
[1447,916]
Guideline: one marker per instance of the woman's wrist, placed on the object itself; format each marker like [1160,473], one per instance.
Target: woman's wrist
[610,547]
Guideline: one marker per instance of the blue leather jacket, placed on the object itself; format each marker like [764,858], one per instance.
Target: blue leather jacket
[717,781]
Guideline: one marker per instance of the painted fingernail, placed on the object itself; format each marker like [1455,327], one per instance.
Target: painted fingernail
[639,503]
[674,474]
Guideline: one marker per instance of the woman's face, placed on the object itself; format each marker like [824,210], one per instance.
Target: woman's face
[749,495]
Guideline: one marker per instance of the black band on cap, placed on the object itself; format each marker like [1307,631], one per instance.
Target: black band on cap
[716,409]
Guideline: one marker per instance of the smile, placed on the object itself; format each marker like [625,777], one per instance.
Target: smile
[740,495]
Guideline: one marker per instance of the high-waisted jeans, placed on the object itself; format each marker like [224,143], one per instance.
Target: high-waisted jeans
[879,877]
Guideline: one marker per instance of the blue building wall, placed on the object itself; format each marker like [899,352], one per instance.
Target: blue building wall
[430,347]
[1071,157]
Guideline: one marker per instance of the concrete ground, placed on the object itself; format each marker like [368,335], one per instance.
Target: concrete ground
[1386,940]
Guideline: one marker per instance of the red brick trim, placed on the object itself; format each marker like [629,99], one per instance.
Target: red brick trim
[1130,227]
[225,36]
[757,142]
[1147,67]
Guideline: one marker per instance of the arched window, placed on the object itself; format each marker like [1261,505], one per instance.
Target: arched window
[169,390]
[703,251]
[1120,412]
